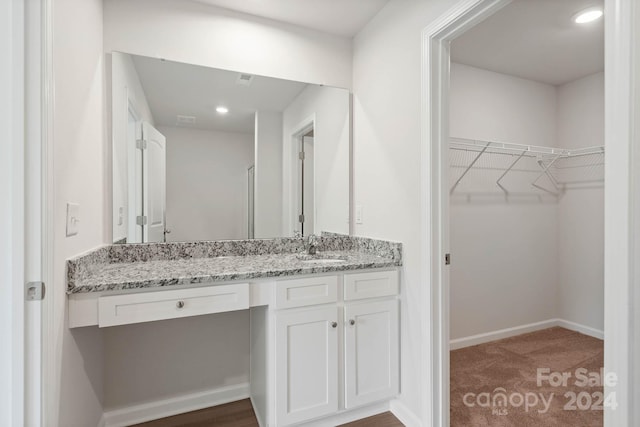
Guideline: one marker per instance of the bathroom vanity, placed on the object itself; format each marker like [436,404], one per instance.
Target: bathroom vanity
[324,328]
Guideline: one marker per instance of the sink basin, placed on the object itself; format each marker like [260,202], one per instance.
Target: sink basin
[323,260]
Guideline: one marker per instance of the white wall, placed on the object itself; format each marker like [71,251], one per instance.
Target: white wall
[497,107]
[329,107]
[151,361]
[504,269]
[207,183]
[125,88]
[80,175]
[201,34]
[268,175]
[387,68]
[581,211]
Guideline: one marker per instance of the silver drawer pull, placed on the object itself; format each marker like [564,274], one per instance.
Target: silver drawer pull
[180,304]
[334,324]
[352,322]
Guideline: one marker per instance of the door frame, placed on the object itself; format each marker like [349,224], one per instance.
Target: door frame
[622,204]
[12,210]
[28,341]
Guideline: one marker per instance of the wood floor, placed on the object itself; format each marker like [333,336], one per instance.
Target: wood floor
[240,414]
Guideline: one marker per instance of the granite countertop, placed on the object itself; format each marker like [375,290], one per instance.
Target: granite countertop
[133,275]
[120,267]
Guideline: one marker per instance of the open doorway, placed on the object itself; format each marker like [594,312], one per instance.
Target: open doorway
[526,216]
[438,38]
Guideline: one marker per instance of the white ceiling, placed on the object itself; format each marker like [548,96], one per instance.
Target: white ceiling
[173,89]
[340,17]
[535,40]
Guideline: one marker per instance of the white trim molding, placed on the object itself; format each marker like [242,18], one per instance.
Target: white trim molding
[12,226]
[50,360]
[523,329]
[404,414]
[144,412]
[434,227]
[622,210]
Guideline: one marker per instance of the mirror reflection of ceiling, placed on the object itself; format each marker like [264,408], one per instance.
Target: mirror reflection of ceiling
[174,89]
[340,17]
[536,40]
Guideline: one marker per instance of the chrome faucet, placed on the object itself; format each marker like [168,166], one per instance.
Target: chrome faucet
[312,244]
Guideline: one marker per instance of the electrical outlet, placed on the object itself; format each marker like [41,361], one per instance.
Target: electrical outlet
[73,219]
[120,215]
[358,214]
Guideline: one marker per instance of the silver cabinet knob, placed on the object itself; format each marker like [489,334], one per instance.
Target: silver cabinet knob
[352,322]
[334,324]
[180,304]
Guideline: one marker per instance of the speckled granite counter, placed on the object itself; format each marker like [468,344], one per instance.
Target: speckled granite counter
[119,267]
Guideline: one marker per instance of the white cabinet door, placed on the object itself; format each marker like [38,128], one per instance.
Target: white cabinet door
[372,348]
[306,364]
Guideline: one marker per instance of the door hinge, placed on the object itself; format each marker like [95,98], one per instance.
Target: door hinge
[447,259]
[301,155]
[34,291]
[141,220]
[141,144]
[300,218]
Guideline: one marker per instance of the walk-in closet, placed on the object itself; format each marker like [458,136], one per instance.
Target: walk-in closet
[526,214]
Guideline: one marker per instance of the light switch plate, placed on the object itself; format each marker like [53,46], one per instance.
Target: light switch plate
[73,219]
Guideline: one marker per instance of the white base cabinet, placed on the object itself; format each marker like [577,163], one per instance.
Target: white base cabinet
[306,362]
[372,347]
[313,361]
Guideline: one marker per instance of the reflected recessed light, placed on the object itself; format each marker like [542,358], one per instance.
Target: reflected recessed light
[222,110]
[588,15]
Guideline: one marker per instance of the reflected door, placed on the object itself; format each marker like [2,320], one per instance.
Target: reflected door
[153,184]
[307,185]
[251,173]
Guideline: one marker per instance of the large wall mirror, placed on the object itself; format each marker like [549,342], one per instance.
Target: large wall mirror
[207,154]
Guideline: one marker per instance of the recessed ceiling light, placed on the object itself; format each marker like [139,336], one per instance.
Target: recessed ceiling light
[222,110]
[587,15]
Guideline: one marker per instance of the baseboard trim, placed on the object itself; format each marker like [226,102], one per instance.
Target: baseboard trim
[500,334]
[523,329]
[136,414]
[404,414]
[577,327]
[349,415]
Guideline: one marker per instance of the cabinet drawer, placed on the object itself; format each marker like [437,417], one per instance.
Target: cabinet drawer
[149,306]
[307,291]
[370,285]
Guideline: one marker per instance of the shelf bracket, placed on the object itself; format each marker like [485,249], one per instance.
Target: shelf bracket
[545,171]
[469,168]
[506,193]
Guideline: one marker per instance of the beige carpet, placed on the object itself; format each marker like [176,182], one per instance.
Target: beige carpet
[512,364]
